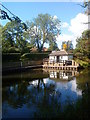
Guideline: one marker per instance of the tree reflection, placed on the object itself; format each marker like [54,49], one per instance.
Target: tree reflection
[16,95]
[81,109]
[48,102]
[42,93]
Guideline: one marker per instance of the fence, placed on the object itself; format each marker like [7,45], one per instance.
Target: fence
[8,65]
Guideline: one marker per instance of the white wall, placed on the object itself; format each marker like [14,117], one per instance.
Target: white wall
[52,58]
[63,58]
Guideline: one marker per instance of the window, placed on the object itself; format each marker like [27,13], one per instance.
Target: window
[61,57]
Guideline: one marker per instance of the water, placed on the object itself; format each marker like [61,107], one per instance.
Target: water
[46,94]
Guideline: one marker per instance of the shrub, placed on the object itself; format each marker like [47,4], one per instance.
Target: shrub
[34,56]
[13,50]
[8,57]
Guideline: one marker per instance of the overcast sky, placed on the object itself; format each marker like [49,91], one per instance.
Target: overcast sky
[70,14]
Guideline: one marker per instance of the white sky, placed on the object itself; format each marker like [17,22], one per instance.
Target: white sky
[76,27]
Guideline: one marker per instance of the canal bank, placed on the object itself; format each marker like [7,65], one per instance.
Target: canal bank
[15,62]
[20,69]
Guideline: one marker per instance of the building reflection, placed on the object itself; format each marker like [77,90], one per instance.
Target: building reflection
[62,75]
[54,92]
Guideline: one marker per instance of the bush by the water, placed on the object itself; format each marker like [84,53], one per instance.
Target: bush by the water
[34,56]
[8,57]
[14,57]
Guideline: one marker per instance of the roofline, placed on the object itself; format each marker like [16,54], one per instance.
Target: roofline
[58,55]
[61,54]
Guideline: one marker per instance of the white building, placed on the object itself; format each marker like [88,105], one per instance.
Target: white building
[60,56]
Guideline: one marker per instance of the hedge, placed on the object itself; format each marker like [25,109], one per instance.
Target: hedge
[34,56]
[15,57]
[8,57]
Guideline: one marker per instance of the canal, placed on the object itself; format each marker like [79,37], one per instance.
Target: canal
[41,93]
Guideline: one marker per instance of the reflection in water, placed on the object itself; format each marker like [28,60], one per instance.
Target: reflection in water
[62,75]
[43,97]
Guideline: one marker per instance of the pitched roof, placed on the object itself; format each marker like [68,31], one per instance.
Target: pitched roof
[58,53]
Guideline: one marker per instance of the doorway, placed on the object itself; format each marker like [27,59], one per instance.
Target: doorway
[57,58]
